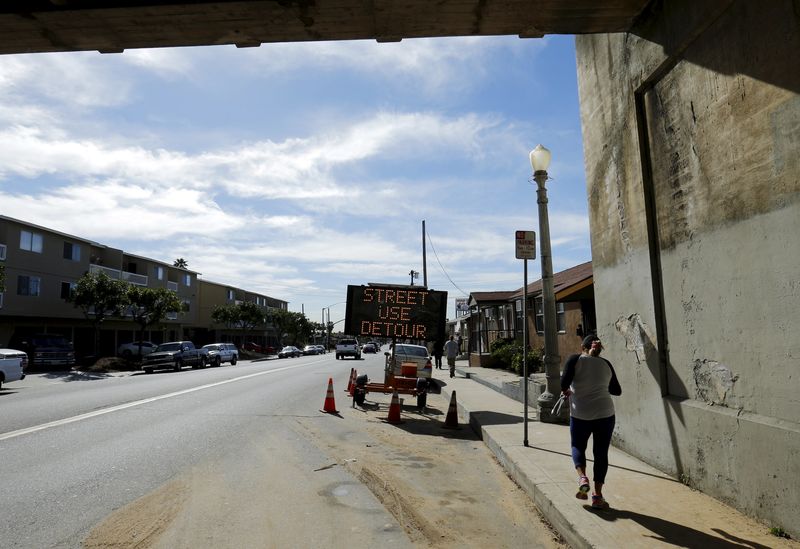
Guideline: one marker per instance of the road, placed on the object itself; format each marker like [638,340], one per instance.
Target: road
[228,457]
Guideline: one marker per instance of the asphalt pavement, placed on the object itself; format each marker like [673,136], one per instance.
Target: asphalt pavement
[648,508]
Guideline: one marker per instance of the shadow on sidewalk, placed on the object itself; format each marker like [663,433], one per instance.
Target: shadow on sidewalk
[677,534]
[486,417]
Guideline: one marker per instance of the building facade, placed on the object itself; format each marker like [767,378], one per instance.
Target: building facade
[42,266]
[691,127]
[500,315]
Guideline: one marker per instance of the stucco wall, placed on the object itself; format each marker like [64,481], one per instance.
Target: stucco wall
[719,121]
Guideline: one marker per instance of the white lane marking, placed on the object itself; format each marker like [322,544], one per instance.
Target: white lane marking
[81,417]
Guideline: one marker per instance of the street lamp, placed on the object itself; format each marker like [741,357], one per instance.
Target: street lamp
[540,161]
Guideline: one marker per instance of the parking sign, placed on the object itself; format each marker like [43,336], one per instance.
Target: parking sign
[525,244]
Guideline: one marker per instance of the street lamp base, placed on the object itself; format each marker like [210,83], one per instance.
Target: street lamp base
[545,402]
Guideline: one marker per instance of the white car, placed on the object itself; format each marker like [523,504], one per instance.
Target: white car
[130,350]
[221,352]
[12,365]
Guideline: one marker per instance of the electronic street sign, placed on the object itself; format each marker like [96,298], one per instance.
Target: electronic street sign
[525,244]
[394,311]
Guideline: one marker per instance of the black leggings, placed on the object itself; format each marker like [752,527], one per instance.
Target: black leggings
[580,430]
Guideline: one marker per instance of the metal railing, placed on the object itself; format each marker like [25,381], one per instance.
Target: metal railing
[131,278]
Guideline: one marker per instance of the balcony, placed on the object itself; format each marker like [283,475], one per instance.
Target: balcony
[131,278]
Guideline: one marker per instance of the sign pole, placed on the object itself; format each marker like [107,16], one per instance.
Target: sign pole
[525,249]
[525,348]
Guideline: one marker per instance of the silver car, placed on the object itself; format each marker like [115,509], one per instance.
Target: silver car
[221,352]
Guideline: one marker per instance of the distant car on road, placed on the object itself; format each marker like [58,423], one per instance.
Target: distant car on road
[130,350]
[369,348]
[222,352]
[311,350]
[290,352]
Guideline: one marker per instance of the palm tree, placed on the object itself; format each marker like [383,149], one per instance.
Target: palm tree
[180,262]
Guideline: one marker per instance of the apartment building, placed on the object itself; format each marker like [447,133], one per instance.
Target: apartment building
[43,265]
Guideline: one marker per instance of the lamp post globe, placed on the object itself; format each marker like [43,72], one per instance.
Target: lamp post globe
[540,160]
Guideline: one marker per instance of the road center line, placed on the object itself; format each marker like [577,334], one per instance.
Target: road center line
[95,413]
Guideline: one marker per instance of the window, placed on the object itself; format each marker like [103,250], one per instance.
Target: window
[160,273]
[230,295]
[539,306]
[1,300]
[187,279]
[31,242]
[66,289]
[131,267]
[186,305]
[72,251]
[561,318]
[2,252]
[28,285]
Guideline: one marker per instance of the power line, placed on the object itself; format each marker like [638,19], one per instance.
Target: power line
[441,267]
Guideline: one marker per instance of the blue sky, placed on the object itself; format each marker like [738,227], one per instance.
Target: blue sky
[296,169]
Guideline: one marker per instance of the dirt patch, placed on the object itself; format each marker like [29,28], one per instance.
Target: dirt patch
[142,522]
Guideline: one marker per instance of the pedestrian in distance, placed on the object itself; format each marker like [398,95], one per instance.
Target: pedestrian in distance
[588,381]
[451,351]
[438,350]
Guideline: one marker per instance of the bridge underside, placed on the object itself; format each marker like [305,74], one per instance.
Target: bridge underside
[28,26]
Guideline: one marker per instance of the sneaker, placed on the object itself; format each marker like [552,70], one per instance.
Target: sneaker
[583,488]
[599,503]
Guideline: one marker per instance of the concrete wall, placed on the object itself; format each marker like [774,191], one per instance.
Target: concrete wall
[692,144]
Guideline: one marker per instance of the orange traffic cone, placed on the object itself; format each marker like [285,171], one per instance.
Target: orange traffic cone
[394,410]
[352,382]
[451,422]
[330,403]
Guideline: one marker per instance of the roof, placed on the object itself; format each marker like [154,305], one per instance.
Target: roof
[482,297]
[564,283]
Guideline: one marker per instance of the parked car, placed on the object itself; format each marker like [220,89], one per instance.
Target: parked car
[369,348]
[45,349]
[321,348]
[175,355]
[416,354]
[256,348]
[130,350]
[311,350]
[221,352]
[12,365]
[290,352]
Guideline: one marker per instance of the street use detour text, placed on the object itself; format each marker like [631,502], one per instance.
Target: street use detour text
[402,312]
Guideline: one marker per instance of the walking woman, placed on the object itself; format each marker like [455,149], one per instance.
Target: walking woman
[589,381]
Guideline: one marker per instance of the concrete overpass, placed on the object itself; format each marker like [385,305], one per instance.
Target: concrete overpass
[28,26]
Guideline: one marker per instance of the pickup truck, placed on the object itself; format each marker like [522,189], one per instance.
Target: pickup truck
[12,365]
[348,347]
[45,349]
[175,355]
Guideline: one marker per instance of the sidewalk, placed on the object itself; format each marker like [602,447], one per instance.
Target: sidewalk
[649,509]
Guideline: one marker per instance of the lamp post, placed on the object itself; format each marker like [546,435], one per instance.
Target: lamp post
[540,161]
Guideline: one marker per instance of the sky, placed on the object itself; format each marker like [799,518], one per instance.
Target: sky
[293,170]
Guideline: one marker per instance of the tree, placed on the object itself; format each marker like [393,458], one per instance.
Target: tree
[180,262]
[245,316]
[295,325]
[99,297]
[149,306]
